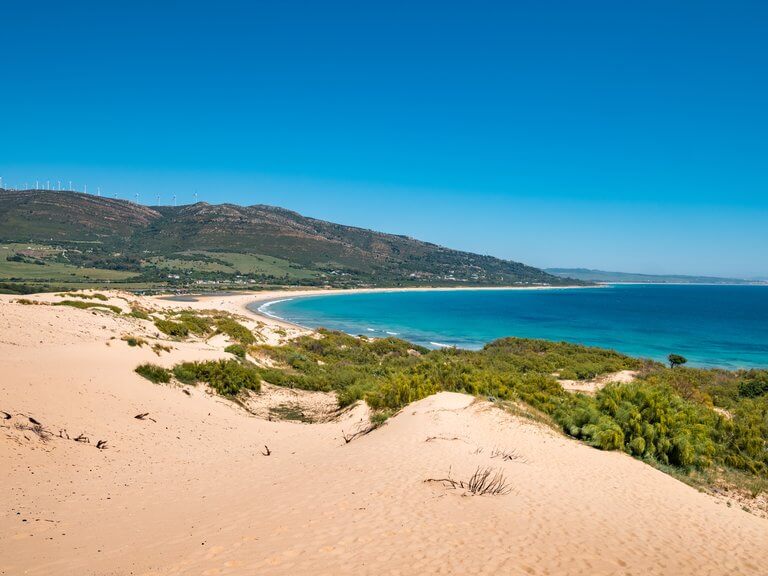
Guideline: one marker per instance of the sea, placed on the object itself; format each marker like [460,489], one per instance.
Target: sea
[711,325]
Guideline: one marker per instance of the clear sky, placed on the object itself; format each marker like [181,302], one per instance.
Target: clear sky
[622,135]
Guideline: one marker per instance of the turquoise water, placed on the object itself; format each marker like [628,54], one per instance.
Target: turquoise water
[724,326]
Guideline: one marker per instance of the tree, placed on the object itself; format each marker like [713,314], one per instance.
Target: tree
[676,360]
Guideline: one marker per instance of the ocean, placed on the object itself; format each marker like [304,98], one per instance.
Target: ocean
[712,326]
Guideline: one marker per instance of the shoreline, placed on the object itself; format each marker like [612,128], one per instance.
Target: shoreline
[243,300]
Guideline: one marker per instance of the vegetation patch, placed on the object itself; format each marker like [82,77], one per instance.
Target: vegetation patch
[89,305]
[134,341]
[666,416]
[227,377]
[139,313]
[176,329]
[290,412]
[236,349]
[154,373]
[94,296]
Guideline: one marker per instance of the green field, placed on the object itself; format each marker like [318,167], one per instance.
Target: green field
[48,270]
[233,263]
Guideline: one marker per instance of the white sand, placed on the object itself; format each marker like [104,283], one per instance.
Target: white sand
[191,493]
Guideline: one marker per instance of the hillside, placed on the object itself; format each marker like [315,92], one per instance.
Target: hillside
[56,236]
[604,276]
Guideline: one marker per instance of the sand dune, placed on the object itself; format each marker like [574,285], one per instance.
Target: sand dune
[188,490]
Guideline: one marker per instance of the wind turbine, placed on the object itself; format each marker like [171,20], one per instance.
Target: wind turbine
[85,188]
[195,196]
[137,197]
[158,199]
[174,199]
[47,184]
[58,182]
[70,184]
[98,191]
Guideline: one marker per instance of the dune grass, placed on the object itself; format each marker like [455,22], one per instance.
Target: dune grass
[88,305]
[154,373]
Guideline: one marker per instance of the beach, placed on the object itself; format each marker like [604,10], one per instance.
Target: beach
[200,485]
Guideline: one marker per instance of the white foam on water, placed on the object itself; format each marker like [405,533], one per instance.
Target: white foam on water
[263,308]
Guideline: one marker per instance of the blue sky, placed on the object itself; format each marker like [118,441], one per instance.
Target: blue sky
[615,135]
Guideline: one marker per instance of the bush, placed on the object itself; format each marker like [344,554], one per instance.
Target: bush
[227,377]
[139,313]
[172,328]
[154,373]
[235,330]
[186,373]
[199,325]
[134,341]
[87,305]
[94,296]
[236,349]
[754,384]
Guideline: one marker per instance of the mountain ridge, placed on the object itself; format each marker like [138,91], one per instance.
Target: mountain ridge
[205,242]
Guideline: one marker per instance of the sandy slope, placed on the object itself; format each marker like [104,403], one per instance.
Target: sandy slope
[192,493]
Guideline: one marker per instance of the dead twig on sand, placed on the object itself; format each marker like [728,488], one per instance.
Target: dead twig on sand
[508,455]
[448,438]
[82,438]
[483,481]
[267,451]
[101,444]
[144,416]
[361,432]
[5,415]
[37,429]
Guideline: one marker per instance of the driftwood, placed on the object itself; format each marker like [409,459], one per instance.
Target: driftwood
[362,432]
[187,392]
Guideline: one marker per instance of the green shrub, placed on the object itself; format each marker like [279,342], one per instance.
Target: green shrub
[87,305]
[227,377]
[236,349]
[134,341]
[154,373]
[199,325]
[235,330]
[754,384]
[94,296]
[139,313]
[172,328]
[186,372]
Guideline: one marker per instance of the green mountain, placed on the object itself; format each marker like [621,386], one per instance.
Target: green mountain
[603,276]
[56,236]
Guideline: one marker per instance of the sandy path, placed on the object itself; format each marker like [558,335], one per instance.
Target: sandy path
[192,493]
